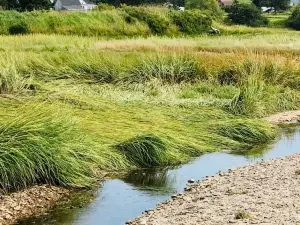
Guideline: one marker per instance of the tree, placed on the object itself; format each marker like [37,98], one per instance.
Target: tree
[9,4]
[24,5]
[258,3]
[247,14]
[279,4]
[34,4]
[275,4]
[294,19]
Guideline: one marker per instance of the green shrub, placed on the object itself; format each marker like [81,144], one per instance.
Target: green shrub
[157,23]
[247,14]
[294,19]
[103,6]
[20,28]
[211,6]
[192,21]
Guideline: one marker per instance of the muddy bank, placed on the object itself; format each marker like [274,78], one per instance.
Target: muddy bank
[264,193]
[289,117]
[32,201]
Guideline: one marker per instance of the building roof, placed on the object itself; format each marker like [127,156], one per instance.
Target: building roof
[74,3]
[226,2]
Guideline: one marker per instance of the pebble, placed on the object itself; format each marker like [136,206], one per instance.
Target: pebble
[28,202]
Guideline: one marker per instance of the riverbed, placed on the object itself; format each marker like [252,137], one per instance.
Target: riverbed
[121,199]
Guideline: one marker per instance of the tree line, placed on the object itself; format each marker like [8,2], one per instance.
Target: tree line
[275,4]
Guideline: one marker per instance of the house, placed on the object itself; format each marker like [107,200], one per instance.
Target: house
[225,2]
[295,2]
[74,5]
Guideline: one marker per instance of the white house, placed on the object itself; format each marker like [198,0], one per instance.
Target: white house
[295,2]
[74,5]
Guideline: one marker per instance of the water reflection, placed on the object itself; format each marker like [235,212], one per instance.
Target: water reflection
[157,180]
[122,199]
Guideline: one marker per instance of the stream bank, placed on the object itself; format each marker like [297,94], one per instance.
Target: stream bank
[29,202]
[264,193]
[159,184]
[143,190]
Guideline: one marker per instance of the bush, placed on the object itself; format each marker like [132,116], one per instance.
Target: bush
[210,5]
[294,19]
[156,22]
[17,29]
[192,21]
[103,6]
[247,14]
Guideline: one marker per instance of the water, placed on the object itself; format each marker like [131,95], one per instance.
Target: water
[119,200]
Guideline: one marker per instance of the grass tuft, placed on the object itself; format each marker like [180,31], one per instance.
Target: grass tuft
[148,151]
[38,147]
[169,69]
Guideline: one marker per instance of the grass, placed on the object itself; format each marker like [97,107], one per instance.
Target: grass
[73,107]
[37,146]
[111,23]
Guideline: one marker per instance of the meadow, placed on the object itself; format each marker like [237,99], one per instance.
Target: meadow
[74,108]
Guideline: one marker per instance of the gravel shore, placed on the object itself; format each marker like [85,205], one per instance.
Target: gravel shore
[266,193]
[28,202]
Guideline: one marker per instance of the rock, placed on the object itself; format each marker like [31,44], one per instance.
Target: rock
[191,181]
[142,222]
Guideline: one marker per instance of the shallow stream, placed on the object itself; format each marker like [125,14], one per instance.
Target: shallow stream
[122,199]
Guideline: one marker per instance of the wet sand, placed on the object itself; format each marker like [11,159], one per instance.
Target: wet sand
[289,117]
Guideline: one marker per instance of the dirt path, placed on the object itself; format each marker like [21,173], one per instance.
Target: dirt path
[289,117]
[32,201]
[267,193]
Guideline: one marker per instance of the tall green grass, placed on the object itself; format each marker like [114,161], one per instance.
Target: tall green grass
[137,103]
[11,79]
[39,145]
[170,69]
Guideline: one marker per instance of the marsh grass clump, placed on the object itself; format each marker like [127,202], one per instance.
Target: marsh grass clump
[150,150]
[297,172]
[11,79]
[247,132]
[248,101]
[37,146]
[144,151]
[169,69]
[227,77]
